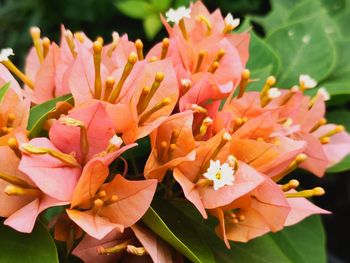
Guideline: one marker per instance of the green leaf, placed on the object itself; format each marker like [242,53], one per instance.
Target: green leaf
[38,114]
[262,55]
[304,48]
[3,90]
[173,227]
[343,166]
[143,148]
[152,25]
[162,5]
[134,8]
[304,242]
[343,22]
[36,247]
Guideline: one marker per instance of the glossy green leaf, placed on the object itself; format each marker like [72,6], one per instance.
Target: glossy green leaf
[134,8]
[262,55]
[37,247]
[152,25]
[304,242]
[3,90]
[38,114]
[173,227]
[162,5]
[343,22]
[343,166]
[304,48]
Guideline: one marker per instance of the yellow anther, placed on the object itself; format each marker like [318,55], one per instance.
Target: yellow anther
[238,121]
[203,182]
[232,161]
[241,218]
[100,39]
[137,251]
[110,81]
[97,205]
[292,184]
[325,140]
[144,102]
[13,144]
[113,45]
[317,191]
[264,94]
[126,72]
[35,33]
[163,150]
[337,129]
[183,29]
[139,49]
[204,127]
[291,167]
[213,67]
[244,82]
[10,66]
[111,200]
[198,109]
[288,122]
[206,21]
[13,190]
[200,58]
[70,41]
[97,47]
[321,122]
[80,36]
[46,46]
[101,194]
[153,59]
[165,47]
[65,158]
[10,119]
[113,250]
[163,103]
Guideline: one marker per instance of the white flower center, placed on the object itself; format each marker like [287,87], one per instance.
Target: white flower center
[220,174]
[324,93]
[274,93]
[5,53]
[307,81]
[176,15]
[230,21]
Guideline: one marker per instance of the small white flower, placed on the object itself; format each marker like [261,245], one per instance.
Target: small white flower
[116,141]
[324,93]
[186,83]
[274,93]
[5,53]
[221,175]
[176,15]
[307,81]
[232,22]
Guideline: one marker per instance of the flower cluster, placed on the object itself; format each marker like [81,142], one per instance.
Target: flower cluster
[223,148]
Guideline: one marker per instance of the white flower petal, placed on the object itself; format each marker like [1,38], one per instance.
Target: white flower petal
[5,53]
[175,16]
[307,81]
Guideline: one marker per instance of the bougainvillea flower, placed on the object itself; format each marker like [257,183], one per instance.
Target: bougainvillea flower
[262,210]
[135,243]
[14,113]
[199,190]
[172,143]
[21,199]
[117,204]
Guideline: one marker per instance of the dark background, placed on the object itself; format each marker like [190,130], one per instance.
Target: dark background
[100,18]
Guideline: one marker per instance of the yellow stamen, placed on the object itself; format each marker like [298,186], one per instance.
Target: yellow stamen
[162,151]
[13,144]
[10,66]
[35,33]
[113,45]
[244,82]
[14,180]
[144,102]
[337,129]
[101,194]
[214,66]
[10,119]
[203,182]
[165,47]
[137,251]
[325,140]
[139,49]
[203,19]
[174,135]
[287,97]
[46,46]
[70,41]
[65,158]
[100,39]
[204,127]
[292,166]
[163,103]
[232,161]
[198,109]
[110,81]
[113,250]
[226,137]
[317,191]
[13,190]
[153,59]
[200,58]
[264,94]
[127,69]
[321,122]
[84,142]
[97,47]
[183,29]
[97,205]
[111,200]
[292,184]
[80,36]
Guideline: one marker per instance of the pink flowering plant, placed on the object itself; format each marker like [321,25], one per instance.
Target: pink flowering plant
[109,153]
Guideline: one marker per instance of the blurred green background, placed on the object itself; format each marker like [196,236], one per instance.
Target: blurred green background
[289,37]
